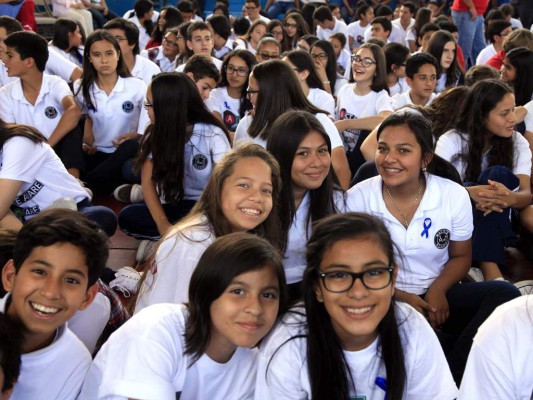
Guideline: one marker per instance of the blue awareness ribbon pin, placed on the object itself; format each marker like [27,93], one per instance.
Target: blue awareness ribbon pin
[427,225]
[382,384]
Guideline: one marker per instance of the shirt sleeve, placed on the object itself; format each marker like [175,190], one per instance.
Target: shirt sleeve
[22,159]
[331,130]
[383,102]
[59,66]
[462,221]
[219,145]
[6,106]
[241,133]
[447,146]
[522,155]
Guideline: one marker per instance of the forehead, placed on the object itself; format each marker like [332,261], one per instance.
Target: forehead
[207,81]
[59,256]
[398,134]
[260,27]
[449,46]
[427,69]
[102,45]
[270,47]
[200,33]
[364,52]
[3,32]
[377,26]
[237,62]
[117,32]
[291,21]
[317,50]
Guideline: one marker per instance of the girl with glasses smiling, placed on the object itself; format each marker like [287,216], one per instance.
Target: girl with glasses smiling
[351,339]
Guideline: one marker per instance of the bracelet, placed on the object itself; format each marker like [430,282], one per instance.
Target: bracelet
[325,82]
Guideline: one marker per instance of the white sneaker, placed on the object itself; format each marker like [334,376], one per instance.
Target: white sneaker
[89,191]
[525,287]
[476,275]
[126,281]
[129,193]
[145,250]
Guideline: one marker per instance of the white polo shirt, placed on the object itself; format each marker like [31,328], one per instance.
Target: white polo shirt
[144,35]
[69,56]
[398,35]
[160,59]
[444,214]
[47,111]
[228,46]
[57,65]
[119,113]
[218,63]
[144,69]
[486,54]
[339,27]
[404,99]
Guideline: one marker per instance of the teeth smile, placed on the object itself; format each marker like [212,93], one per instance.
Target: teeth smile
[392,170]
[250,211]
[44,309]
[358,311]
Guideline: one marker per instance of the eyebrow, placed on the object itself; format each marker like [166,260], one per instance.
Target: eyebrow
[50,266]
[309,148]
[372,263]
[241,283]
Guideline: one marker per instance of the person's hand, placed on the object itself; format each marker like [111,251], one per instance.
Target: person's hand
[473,13]
[436,298]
[350,11]
[88,148]
[419,304]
[122,138]
[105,10]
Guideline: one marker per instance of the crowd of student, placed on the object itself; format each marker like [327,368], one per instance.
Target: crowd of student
[323,207]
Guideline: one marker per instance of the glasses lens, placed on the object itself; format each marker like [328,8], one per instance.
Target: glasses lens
[377,278]
[373,279]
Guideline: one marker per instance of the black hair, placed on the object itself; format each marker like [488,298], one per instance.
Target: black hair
[423,17]
[384,22]
[130,31]
[496,28]
[274,99]
[309,39]
[286,134]
[302,60]
[7,245]
[307,12]
[410,6]
[173,18]
[11,339]
[241,26]
[142,7]
[176,104]
[448,26]
[11,25]
[395,54]
[329,374]
[221,26]
[431,27]
[256,2]
[436,47]
[341,37]
[361,9]
[186,6]
[331,66]
[62,28]
[507,10]
[201,67]
[237,254]
[416,61]
[224,8]
[274,23]
[322,14]
[521,59]
[54,226]
[196,26]
[480,72]
[29,44]
[383,11]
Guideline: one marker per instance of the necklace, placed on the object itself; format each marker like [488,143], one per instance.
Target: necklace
[405,216]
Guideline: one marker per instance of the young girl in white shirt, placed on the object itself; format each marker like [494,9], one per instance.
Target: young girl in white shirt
[443,47]
[352,340]
[113,102]
[205,349]
[241,195]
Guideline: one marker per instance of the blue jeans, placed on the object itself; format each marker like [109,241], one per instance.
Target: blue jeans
[471,35]
[279,8]
[103,216]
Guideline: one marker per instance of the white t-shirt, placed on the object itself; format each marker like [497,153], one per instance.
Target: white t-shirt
[54,372]
[344,63]
[167,280]
[444,214]
[356,31]
[401,86]
[528,120]
[452,144]
[119,113]
[220,101]
[144,35]
[410,36]
[44,176]
[283,370]
[145,359]
[399,34]
[352,106]
[404,99]
[323,100]
[486,54]
[47,111]
[218,63]
[241,134]
[339,27]
[144,69]
[57,65]
[499,364]
[69,56]
[339,84]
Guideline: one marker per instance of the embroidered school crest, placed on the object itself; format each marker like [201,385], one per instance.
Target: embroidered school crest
[127,106]
[51,112]
[442,238]
[199,161]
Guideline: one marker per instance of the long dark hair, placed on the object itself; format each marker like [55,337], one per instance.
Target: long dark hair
[423,17]
[8,131]
[303,62]
[331,66]
[173,19]
[521,58]
[62,27]
[274,99]
[302,28]
[329,375]
[250,61]
[482,99]
[286,134]
[285,41]
[89,76]
[436,48]
[379,82]
[176,104]
[236,253]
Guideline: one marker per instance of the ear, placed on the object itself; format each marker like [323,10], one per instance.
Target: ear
[393,67]
[303,74]
[426,159]
[7,394]
[89,296]
[409,81]
[394,276]
[190,75]
[189,45]
[8,275]
[29,62]
[318,293]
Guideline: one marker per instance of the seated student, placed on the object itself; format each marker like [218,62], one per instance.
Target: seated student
[443,47]
[10,362]
[325,61]
[204,74]
[222,44]
[58,257]
[396,55]
[344,61]
[253,9]
[100,12]
[497,31]
[169,17]
[356,30]
[184,53]
[74,10]
[380,28]
[421,76]
[405,22]
[352,340]
[200,41]
[423,17]
[165,56]
[499,364]
[268,48]
[206,348]
[327,25]
[127,35]
[429,216]
[425,34]
[188,11]
[279,8]
[68,40]
[144,10]
[116,118]
[42,101]
[480,73]
[251,40]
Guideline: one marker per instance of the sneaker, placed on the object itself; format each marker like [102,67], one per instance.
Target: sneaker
[82,184]
[129,193]
[126,281]
[145,250]
[476,275]
[525,287]
[64,202]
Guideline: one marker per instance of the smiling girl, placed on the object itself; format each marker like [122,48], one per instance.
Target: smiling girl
[352,340]
[204,349]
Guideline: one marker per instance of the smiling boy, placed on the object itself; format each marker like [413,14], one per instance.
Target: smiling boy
[58,257]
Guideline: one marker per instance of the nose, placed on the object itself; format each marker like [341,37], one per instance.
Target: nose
[255,195]
[254,306]
[50,288]
[512,116]
[358,290]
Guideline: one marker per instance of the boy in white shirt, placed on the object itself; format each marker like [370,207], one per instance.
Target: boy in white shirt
[327,25]
[405,22]
[204,74]
[221,27]
[200,41]
[497,31]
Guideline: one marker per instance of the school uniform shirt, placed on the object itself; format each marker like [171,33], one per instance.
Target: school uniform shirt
[167,280]
[218,63]
[499,363]
[145,359]
[356,31]
[44,176]
[155,55]
[452,144]
[78,60]
[47,111]
[220,101]
[444,214]
[144,69]
[410,36]
[283,370]
[323,100]
[399,87]
[56,371]
[486,54]
[395,34]
[339,84]
[339,27]
[57,65]
[241,134]
[344,63]
[261,17]
[144,35]
[528,120]
[114,115]
[404,99]
[4,78]
[352,106]
[399,34]
[228,46]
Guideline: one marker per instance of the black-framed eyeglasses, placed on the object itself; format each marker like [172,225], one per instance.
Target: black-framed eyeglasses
[119,38]
[170,43]
[342,281]
[365,62]
[320,56]
[249,8]
[147,104]
[266,56]
[288,25]
[249,91]
[230,69]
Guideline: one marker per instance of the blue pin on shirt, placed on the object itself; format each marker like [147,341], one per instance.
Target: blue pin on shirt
[427,225]
[382,384]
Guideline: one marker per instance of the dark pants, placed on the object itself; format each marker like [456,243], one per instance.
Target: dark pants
[103,216]
[69,150]
[355,157]
[99,19]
